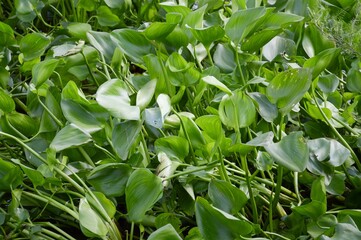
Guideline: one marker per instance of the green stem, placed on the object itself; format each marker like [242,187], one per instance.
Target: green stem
[295,181]
[131,231]
[105,66]
[52,202]
[250,191]
[187,137]
[144,143]
[89,69]
[276,196]
[197,169]
[209,56]
[239,67]
[261,180]
[49,112]
[222,167]
[86,156]
[15,130]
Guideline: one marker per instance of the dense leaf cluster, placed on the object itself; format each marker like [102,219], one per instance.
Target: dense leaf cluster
[207,119]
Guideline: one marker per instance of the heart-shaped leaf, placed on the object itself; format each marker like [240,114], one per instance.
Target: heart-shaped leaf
[237,110]
[165,233]
[288,88]
[215,224]
[33,45]
[43,70]
[291,152]
[226,197]
[69,136]
[110,178]
[7,104]
[113,96]
[123,137]
[244,22]
[91,221]
[173,146]
[133,43]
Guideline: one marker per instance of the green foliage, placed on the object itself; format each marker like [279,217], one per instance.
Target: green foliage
[201,119]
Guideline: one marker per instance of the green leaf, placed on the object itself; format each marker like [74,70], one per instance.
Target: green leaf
[110,178]
[79,30]
[195,18]
[7,104]
[328,83]
[23,123]
[99,202]
[323,60]
[156,70]
[10,176]
[329,151]
[72,92]
[166,232]
[224,58]
[69,136]
[318,205]
[113,96]
[277,46]
[346,231]
[353,79]
[33,45]
[4,77]
[314,41]
[244,22]
[172,7]
[288,88]
[159,30]
[143,190]
[43,70]
[173,146]
[177,38]
[35,176]
[226,197]
[132,43]
[25,10]
[117,3]
[102,42]
[291,152]
[266,109]
[259,39]
[193,132]
[212,125]
[145,94]
[237,110]
[91,221]
[106,17]
[80,116]
[177,63]
[6,35]
[282,19]
[87,5]
[208,35]
[216,224]
[47,123]
[123,137]
[215,82]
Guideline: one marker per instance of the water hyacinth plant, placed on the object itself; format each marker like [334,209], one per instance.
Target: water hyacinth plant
[183,119]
